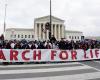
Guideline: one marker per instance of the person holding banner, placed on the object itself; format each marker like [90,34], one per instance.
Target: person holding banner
[62,44]
[8,45]
[33,46]
[48,46]
[17,45]
[41,46]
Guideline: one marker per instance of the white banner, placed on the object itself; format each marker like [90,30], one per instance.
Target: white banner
[45,55]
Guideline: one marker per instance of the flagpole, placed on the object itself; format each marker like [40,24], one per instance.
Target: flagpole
[5,17]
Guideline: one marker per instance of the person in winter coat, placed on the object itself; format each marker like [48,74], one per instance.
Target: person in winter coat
[33,46]
[17,46]
[25,46]
[62,44]
[8,46]
[53,39]
[40,46]
[48,46]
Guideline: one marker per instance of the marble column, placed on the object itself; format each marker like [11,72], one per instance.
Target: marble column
[40,32]
[63,31]
[52,30]
[55,31]
[59,31]
[35,31]
[47,34]
[44,32]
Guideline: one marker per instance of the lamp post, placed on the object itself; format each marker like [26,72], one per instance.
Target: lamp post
[50,20]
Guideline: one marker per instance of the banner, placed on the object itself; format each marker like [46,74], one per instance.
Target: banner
[45,55]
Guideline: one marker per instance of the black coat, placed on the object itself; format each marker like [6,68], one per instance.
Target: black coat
[41,46]
[62,45]
[8,46]
[33,47]
[25,46]
[52,39]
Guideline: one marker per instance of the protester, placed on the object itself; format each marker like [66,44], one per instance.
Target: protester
[50,44]
[33,46]
[17,45]
[52,39]
[41,45]
[66,45]
[62,44]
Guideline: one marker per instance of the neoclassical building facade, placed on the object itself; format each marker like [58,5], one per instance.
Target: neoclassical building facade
[39,31]
[19,34]
[57,28]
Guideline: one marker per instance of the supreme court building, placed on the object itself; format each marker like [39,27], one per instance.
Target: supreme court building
[39,31]
[57,28]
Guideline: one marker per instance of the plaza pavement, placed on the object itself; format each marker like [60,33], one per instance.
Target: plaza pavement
[88,70]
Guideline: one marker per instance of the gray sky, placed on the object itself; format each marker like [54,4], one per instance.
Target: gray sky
[81,15]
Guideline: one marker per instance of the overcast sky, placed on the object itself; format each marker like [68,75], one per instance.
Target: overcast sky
[81,15]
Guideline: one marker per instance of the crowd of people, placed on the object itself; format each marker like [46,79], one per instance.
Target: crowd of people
[50,44]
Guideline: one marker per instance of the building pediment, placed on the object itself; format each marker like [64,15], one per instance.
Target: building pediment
[47,19]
